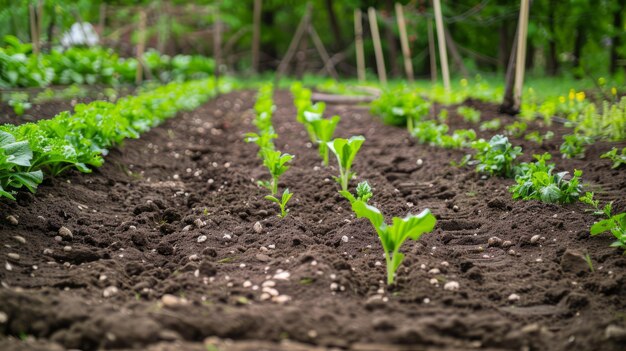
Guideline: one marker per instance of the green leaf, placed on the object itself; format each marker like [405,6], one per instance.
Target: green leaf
[602,226]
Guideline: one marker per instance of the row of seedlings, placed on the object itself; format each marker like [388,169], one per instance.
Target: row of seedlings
[277,163]
[391,236]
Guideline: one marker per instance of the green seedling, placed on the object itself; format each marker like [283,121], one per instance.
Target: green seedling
[493,124]
[536,137]
[282,202]
[363,193]
[516,129]
[264,139]
[574,145]
[277,163]
[616,224]
[618,160]
[323,129]
[497,156]
[15,159]
[345,150]
[536,181]
[393,236]
[469,114]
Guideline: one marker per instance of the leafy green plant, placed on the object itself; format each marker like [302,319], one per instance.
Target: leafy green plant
[616,224]
[19,102]
[15,157]
[393,236]
[277,163]
[460,138]
[345,150]
[264,139]
[536,137]
[516,129]
[536,181]
[469,114]
[400,107]
[618,159]
[323,129]
[496,156]
[282,203]
[493,124]
[574,145]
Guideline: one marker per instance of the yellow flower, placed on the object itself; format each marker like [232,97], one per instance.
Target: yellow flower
[572,94]
[463,82]
[614,91]
[562,99]
[580,96]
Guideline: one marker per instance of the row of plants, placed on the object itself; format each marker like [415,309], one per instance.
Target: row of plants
[321,131]
[94,65]
[80,140]
[276,162]
[498,157]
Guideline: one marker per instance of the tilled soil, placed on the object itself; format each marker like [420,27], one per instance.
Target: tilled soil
[161,249]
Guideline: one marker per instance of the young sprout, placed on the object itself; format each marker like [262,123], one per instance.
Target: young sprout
[323,130]
[282,202]
[345,150]
[393,236]
[363,193]
[277,164]
[263,139]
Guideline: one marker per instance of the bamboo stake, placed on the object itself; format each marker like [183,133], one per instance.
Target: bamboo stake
[404,41]
[101,19]
[378,49]
[443,55]
[328,64]
[521,54]
[141,46]
[256,34]
[302,27]
[431,52]
[358,39]
[33,29]
[39,20]
[217,45]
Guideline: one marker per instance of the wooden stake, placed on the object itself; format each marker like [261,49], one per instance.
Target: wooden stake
[358,39]
[33,29]
[141,46]
[378,49]
[508,100]
[431,52]
[443,55]
[217,45]
[102,19]
[520,65]
[39,21]
[302,27]
[328,63]
[404,41]
[256,34]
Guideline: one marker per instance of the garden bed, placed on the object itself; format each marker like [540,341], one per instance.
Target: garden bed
[165,251]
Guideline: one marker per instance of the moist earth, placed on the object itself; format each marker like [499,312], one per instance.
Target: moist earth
[170,245]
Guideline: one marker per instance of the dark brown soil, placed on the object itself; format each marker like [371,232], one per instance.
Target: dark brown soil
[136,222]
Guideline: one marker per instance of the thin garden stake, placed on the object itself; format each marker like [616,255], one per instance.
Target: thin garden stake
[378,49]
[404,41]
[358,39]
[521,53]
[443,55]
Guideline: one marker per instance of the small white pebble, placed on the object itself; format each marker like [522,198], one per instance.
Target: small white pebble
[257,227]
[513,297]
[378,264]
[247,284]
[282,275]
[227,236]
[451,286]
[535,238]
[344,238]
[434,271]
[202,238]
[434,281]
[110,291]
[334,286]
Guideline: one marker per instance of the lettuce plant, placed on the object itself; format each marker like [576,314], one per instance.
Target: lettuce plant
[469,114]
[277,163]
[574,145]
[282,203]
[536,181]
[15,157]
[618,159]
[323,129]
[496,156]
[345,150]
[393,236]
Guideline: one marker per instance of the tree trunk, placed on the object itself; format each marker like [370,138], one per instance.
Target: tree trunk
[618,22]
[334,26]
[508,102]
[268,21]
[503,49]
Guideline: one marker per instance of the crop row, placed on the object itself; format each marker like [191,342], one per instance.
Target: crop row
[76,65]
[498,157]
[80,140]
[321,130]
